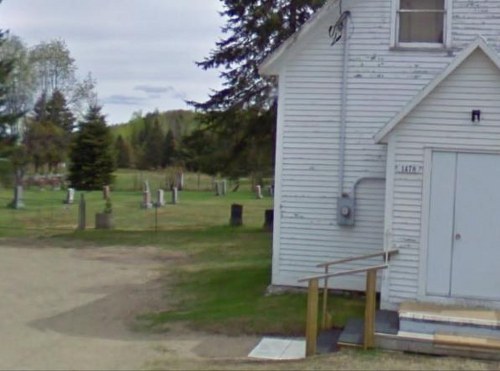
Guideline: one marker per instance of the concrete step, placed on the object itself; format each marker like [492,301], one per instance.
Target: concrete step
[433,319]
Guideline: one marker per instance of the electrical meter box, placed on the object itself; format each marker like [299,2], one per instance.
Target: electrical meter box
[345,210]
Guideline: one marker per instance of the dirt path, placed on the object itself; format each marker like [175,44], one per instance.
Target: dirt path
[72,309]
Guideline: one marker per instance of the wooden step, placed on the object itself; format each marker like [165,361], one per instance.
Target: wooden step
[441,344]
[467,341]
[433,319]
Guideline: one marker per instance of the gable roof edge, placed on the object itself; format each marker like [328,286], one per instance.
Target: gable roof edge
[478,43]
[270,63]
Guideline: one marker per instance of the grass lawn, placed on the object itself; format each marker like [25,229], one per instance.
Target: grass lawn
[221,284]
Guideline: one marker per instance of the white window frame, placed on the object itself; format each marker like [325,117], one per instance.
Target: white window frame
[421,45]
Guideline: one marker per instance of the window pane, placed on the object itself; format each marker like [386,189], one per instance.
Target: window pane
[421,27]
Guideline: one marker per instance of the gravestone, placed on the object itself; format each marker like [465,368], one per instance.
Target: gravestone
[106,192]
[70,196]
[18,202]
[217,188]
[160,198]
[258,191]
[145,186]
[82,217]
[224,187]
[146,200]
[236,215]
[175,196]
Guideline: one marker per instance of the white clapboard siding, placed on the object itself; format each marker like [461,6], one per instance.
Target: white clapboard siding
[420,130]
[381,82]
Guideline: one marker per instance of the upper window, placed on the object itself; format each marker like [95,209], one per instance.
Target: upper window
[421,22]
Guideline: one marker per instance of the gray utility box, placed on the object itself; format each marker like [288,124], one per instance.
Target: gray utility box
[345,210]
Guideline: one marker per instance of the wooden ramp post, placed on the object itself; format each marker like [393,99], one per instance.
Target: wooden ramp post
[312,318]
[370,308]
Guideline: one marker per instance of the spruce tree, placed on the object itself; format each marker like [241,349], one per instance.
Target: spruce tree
[169,149]
[123,153]
[92,157]
[242,114]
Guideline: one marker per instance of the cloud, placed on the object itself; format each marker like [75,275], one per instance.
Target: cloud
[151,90]
[126,100]
[155,92]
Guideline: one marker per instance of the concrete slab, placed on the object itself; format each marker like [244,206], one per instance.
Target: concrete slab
[279,349]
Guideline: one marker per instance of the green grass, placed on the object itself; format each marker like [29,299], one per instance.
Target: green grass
[220,284]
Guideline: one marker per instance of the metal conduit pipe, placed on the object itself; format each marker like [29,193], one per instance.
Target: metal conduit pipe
[343,22]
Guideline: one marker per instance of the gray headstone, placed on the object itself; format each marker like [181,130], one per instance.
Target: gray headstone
[160,198]
[18,202]
[146,200]
[145,187]
[258,191]
[217,189]
[82,217]
[175,195]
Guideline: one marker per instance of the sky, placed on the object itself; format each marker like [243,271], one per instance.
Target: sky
[142,53]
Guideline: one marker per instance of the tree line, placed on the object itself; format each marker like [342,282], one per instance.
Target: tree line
[236,127]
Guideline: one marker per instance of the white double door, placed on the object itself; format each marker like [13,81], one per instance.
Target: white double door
[463,255]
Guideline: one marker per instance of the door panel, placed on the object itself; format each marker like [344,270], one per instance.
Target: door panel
[440,240]
[476,245]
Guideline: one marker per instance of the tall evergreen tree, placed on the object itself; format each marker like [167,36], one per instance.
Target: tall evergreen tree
[123,153]
[92,157]
[169,149]
[59,113]
[254,29]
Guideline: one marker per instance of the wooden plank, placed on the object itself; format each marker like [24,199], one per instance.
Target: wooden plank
[312,318]
[324,321]
[467,341]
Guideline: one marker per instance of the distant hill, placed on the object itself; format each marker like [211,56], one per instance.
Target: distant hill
[181,122]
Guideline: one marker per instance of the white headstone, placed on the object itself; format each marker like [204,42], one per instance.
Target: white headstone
[160,195]
[70,196]
[258,191]
[224,187]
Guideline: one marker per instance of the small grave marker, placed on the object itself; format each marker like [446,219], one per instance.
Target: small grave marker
[70,196]
[175,196]
[160,198]
[146,200]
[106,193]
[258,192]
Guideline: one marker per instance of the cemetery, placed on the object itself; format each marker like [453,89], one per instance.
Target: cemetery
[140,202]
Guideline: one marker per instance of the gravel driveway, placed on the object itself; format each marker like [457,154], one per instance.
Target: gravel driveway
[73,308]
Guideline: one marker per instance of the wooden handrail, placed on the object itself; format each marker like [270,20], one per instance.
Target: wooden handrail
[343,273]
[370,307]
[347,260]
